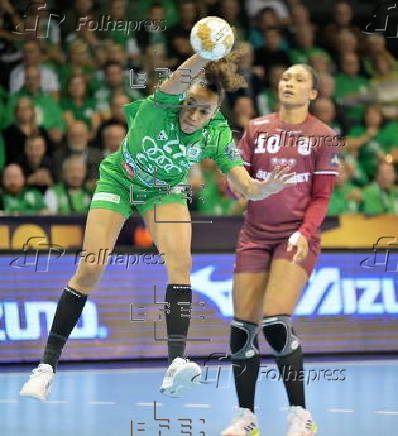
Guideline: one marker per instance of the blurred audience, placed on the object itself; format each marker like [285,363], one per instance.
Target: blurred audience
[351,87]
[24,125]
[115,116]
[77,106]
[116,82]
[32,56]
[62,97]
[48,112]
[243,112]
[272,53]
[346,197]
[16,197]
[77,144]
[381,196]
[267,99]
[37,167]
[70,196]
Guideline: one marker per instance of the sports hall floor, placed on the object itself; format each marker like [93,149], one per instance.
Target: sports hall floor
[119,400]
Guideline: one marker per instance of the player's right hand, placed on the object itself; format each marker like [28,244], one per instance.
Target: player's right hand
[277,180]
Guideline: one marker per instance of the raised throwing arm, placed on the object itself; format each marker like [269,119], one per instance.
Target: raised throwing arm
[181,79]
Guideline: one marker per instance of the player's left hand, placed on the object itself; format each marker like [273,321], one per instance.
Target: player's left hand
[302,249]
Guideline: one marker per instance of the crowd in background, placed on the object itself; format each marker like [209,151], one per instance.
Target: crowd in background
[65,76]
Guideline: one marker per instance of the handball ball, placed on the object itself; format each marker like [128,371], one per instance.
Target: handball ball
[212,38]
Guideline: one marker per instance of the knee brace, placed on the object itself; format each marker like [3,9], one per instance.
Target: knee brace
[244,339]
[279,333]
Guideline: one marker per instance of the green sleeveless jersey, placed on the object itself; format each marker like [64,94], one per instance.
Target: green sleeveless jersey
[157,152]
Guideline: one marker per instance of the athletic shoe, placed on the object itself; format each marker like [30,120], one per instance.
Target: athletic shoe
[244,423]
[300,422]
[38,385]
[181,376]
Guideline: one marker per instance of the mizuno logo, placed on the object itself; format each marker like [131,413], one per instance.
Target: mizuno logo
[327,293]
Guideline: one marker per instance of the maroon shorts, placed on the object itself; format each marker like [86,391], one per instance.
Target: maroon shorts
[256,255]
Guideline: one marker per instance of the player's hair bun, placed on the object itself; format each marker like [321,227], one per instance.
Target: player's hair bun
[222,74]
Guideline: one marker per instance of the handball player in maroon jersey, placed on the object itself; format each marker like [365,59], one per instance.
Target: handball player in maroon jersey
[279,244]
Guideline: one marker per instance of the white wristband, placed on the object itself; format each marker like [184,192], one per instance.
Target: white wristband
[293,239]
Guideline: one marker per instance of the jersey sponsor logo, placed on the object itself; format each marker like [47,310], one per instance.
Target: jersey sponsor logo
[106,196]
[163,136]
[281,161]
[297,178]
[165,156]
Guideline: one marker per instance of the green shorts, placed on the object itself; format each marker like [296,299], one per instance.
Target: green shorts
[116,191]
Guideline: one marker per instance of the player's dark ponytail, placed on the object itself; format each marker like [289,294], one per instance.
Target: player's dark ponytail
[221,76]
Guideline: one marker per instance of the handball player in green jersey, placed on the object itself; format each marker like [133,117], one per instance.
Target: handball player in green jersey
[169,132]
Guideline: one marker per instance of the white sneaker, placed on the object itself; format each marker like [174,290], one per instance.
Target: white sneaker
[244,423]
[300,422]
[181,376]
[38,385]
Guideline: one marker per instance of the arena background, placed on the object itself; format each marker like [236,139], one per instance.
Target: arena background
[351,302]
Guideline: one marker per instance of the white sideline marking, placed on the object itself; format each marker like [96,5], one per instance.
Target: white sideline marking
[148,404]
[198,405]
[101,402]
[340,410]
[386,412]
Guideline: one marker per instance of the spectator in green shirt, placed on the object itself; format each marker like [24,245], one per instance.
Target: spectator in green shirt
[381,197]
[346,198]
[144,7]
[375,46]
[70,196]
[304,38]
[385,85]
[116,82]
[212,200]
[77,106]
[351,87]
[372,140]
[79,61]
[16,198]
[123,35]
[321,62]
[48,111]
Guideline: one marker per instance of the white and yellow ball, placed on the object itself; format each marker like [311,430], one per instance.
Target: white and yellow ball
[212,38]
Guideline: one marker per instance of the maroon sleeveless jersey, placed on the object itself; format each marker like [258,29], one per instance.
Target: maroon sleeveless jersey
[308,148]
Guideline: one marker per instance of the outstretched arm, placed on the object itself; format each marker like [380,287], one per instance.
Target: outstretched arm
[181,78]
[253,189]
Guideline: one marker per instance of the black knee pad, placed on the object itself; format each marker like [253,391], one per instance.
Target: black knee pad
[244,339]
[279,333]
